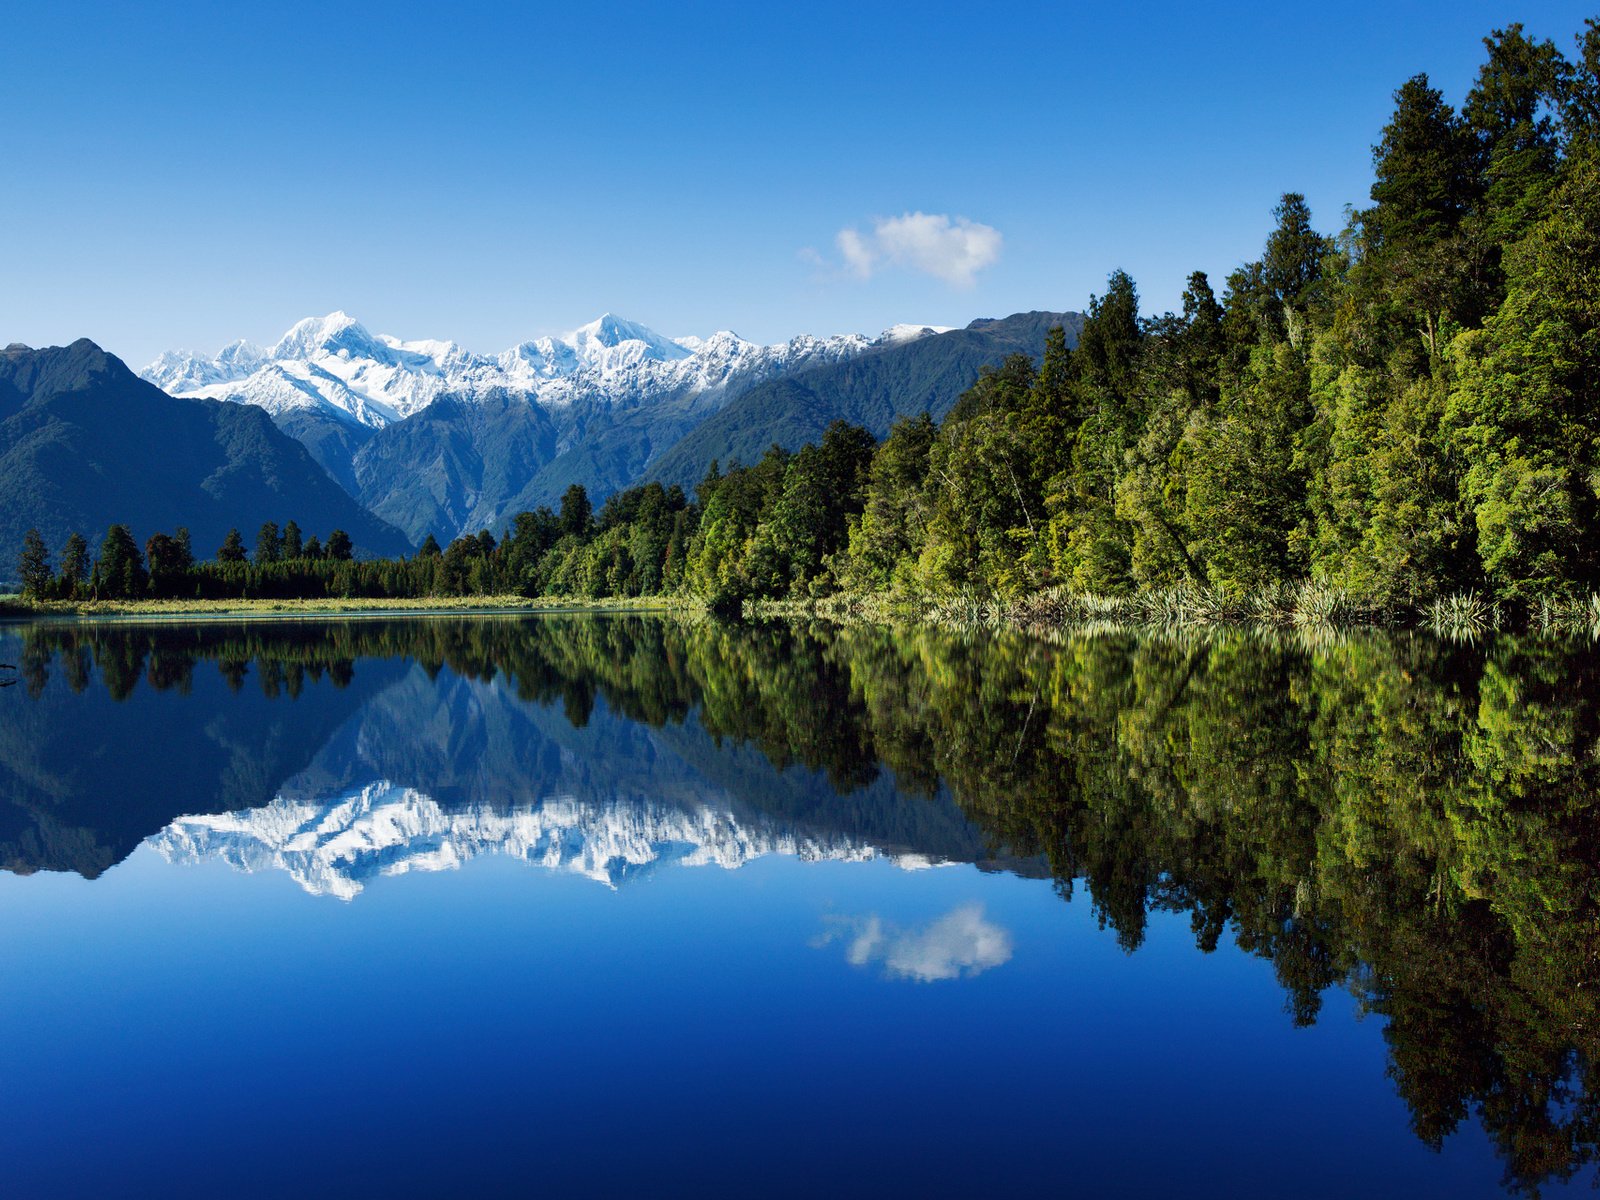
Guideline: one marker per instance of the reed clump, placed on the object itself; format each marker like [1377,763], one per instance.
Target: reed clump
[1571,615]
[1192,606]
[1461,616]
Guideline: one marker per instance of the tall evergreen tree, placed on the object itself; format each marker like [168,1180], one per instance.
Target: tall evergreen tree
[1512,109]
[1085,542]
[576,512]
[120,568]
[1424,171]
[1580,115]
[74,565]
[33,565]
[1426,184]
[168,561]
[232,548]
[269,543]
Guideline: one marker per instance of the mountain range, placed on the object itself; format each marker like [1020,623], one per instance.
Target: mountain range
[85,443]
[434,438]
[391,440]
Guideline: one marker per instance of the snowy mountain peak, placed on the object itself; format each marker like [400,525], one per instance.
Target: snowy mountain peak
[896,334]
[608,329]
[338,331]
[334,365]
[610,342]
[241,355]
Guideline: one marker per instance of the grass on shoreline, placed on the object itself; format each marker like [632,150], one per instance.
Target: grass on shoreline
[15,606]
[1304,606]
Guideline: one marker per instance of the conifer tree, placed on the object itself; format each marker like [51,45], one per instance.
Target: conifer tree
[576,511]
[74,566]
[120,568]
[1512,109]
[269,543]
[33,566]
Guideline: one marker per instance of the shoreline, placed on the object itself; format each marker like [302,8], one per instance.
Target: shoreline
[16,610]
[1305,607]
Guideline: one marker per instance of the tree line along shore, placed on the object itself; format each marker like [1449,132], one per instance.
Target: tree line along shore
[1396,421]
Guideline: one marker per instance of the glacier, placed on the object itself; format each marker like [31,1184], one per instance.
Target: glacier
[334,365]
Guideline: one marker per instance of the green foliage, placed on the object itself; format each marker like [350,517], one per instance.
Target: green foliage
[33,565]
[808,521]
[576,512]
[1245,506]
[894,518]
[1526,409]
[120,570]
[1513,107]
[74,573]
[269,543]
[981,498]
[169,560]
[232,549]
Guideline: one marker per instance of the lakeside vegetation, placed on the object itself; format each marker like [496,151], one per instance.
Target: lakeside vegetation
[1399,421]
[336,605]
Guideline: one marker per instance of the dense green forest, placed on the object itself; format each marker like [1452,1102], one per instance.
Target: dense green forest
[1404,409]
[1408,821]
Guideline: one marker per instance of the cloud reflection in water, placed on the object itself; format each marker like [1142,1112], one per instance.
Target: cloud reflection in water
[960,944]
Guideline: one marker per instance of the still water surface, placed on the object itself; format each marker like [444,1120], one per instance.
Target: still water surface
[620,904]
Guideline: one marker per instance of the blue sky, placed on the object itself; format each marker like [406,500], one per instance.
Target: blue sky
[187,176]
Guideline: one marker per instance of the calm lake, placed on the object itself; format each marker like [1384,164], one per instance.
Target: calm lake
[602,905]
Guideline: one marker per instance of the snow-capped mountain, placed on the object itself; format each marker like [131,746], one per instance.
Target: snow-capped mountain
[438,439]
[335,365]
[335,848]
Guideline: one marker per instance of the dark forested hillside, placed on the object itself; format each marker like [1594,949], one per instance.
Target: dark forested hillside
[872,391]
[84,444]
[453,465]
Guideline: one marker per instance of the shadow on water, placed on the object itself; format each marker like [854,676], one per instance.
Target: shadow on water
[1413,822]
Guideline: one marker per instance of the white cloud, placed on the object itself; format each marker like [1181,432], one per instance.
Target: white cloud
[962,943]
[859,256]
[953,249]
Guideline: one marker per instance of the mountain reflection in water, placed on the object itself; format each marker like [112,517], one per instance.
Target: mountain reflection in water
[1410,821]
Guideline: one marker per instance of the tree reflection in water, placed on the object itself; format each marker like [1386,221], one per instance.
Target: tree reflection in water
[1412,821]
